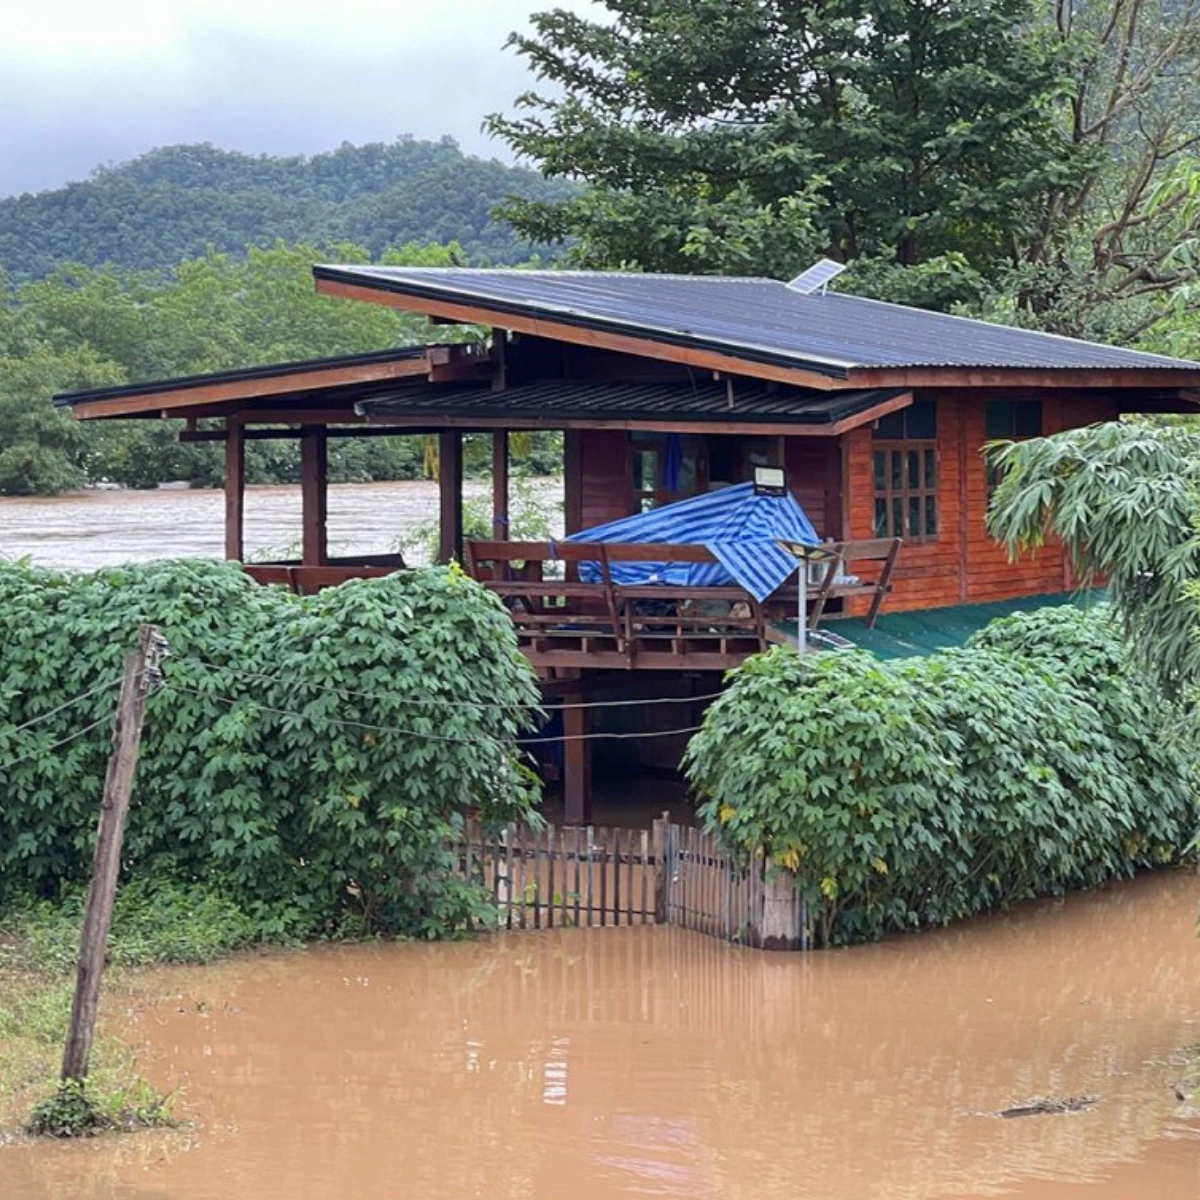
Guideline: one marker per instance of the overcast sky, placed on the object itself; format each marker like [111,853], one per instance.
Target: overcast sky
[87,82]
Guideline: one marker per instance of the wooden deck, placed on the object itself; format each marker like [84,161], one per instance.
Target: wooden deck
[565,623]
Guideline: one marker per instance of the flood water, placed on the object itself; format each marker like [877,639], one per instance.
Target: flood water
[88,530]
[591,1064]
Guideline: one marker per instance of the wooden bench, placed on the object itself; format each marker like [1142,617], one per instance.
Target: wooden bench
[688,627]
[871,560]
[548,609]
[306,581]
[603,616]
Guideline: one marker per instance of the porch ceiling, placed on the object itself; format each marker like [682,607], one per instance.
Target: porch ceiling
[556,402]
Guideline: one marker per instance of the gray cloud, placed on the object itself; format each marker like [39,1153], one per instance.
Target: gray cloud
[252,88]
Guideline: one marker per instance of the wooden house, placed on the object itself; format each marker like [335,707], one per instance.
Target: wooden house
[664,387]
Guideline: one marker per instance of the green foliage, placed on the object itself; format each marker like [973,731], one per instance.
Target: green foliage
[732,136]
[154,921]
[1123,498]
[84,328]
[920,791]
[533,517]
[177,202]
[1033,163]
[309,756]
[75,1110]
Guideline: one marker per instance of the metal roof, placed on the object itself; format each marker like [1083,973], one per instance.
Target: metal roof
[756,319]
[546,400]
[241,374]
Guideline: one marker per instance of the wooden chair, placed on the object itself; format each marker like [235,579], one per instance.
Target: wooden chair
[875,556]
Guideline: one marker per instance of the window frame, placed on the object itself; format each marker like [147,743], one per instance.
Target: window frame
[990,468]
[892,437]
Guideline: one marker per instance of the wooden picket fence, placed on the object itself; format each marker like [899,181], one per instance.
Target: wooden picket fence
[596,876]
[584,876]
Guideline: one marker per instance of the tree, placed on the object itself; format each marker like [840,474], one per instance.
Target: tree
[751,135]
[1119,237]
[1124,499]
[177,201]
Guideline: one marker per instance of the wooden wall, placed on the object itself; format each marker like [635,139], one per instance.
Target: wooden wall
[963,564]
[832,479]
[598,483]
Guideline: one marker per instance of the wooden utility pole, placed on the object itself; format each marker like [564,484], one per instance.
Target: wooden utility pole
[141,675]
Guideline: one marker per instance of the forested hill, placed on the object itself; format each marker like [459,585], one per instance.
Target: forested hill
[172,203]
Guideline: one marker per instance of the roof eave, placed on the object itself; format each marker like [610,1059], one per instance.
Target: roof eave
[456,304]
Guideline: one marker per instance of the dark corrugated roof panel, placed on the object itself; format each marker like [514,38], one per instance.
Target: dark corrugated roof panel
[270,371]
[758,319]
[545,400]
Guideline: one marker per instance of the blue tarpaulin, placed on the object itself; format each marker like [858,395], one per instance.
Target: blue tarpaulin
[739,526]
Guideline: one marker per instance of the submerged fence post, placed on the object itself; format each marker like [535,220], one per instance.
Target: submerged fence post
[781,927]
[659,833]
[141,674]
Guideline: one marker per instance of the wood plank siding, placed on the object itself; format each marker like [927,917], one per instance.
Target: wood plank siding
[834,481]
[962,563]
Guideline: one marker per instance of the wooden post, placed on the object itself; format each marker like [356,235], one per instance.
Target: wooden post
[780,928]
[235,489]
[500,518]
[141,673]
[314,495]
[660,831]
[577,765]
[450,480]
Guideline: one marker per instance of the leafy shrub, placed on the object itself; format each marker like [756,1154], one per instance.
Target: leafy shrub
[154,921]
[271,770]
[919,791]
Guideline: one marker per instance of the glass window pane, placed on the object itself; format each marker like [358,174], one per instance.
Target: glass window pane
[1027,419]
[920,420]
[930,515]
[998,419]
[881,528]
[897,516]
[931,468]
[897,469]
[914,516]
[645,470]
[889,428]
[880,470]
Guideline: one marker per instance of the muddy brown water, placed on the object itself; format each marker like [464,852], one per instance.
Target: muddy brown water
[654,1062]
[88,530]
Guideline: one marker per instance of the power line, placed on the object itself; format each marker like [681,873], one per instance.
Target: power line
[43,750]
[432,737]
[448,703]
[100,687]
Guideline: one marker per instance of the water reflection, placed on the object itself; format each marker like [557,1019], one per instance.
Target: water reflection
[651,1062]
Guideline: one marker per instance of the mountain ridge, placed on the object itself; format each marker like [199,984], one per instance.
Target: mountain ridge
[173,202]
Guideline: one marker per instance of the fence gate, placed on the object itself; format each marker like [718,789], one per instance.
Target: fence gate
[595,876]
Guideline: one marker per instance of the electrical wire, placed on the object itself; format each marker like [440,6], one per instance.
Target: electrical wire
[433,737]
[448,703]
[100,687]
[44,750]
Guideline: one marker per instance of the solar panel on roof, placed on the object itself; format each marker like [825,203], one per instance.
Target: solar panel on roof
[817,276]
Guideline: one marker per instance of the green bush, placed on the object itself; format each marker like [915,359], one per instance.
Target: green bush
[919,791]
[154,922]
[307,756]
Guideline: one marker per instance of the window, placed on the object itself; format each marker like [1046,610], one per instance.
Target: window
[1010,420]
[905,466]
[645,477]
[1013,419]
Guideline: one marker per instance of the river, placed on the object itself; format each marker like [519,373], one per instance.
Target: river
[657,1063]
[104,528]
